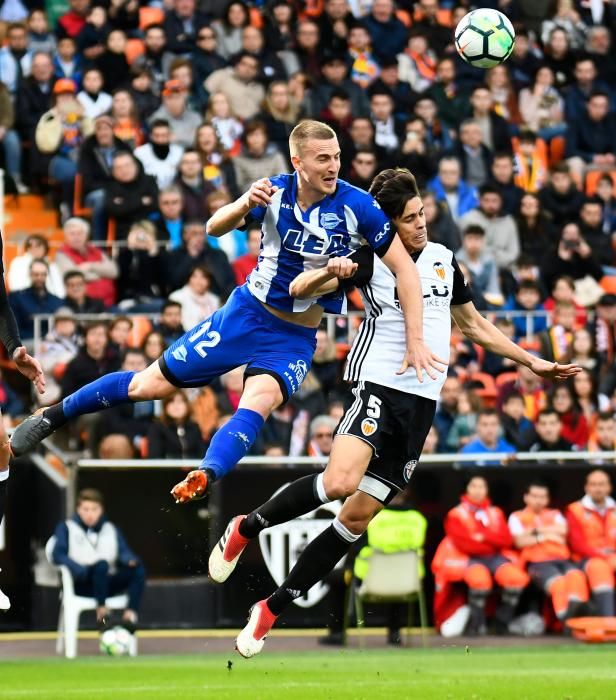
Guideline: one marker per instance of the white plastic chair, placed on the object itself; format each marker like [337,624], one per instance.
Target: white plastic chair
[392,578]
[71,607]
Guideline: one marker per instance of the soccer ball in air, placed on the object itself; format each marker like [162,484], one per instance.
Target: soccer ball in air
[484,38]
[116,641]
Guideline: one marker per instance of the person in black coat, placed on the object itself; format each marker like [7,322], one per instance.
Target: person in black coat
[182,25]
[592,138]
[112,62]
[179,263]
[193,187]
[441,227]
[141,271]
[501,177]
[175,435]
[560,197]
[482,104]
[131,195]
[145,100]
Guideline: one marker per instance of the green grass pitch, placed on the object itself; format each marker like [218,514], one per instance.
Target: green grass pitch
[454,673]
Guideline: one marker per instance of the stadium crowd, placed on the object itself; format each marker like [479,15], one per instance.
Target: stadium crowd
[141,120]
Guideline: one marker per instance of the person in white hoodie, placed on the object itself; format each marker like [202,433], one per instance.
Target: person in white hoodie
[93,99]
[195,297]
[160,158]
[36,247]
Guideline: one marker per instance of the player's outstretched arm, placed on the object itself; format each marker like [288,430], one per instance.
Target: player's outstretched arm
[481,331]
[232,215]
[418,355]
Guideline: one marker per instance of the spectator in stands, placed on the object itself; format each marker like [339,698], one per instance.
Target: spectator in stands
[140,282]
[535,228]
[131,195]
[77,254]
[437,135]
[175,435]
[574,258]
[559,57]
[76,298]
[591,228]
[67,64]
[473,553]
[517,429]
[415,152]
[592,538]
[604,435]
[548,429]
[473,154]
[245,264]
[307,53]
[193,188]
[11,145]
[34,299]
[73,21]
[494,128]
[389,79]
[156,59]
[36,247]
[599,46]
[217,165]
[335,77]
[94,166]
[153,346]
[96,553]
[440,225]
[232,244]
[60,133]
[447,410]
[579,93]
[258,158]
[228,126]
[585,383]
[39,36]
[197,301]
[195,251]
[465,423]
[388,33]
[527,299]
[556,341]
[449,188]
[501,239]
[502,178]
[270,66]
[482,266]
[540,533]
[574,427]
[126,124]
[169,221]
[280,113]
[175,111]
[389,131]
[560,197]
[363,168]
[91,39]
[112,61]
[325,365]
[531,162]
[606,191]
[229,28]
[94,100]
[239,84]
[488,438]
[542,107]
[590,139]
[170,324]
[205,59]
[15,58]
[182,24]
[451,100]
[160,157]
[59,347]
[92,361]
[524,61]
[119,332]
[563,289]
[417,64]
[338,114]
[321,436]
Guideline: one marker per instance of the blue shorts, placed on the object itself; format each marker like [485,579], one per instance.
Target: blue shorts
[242,332]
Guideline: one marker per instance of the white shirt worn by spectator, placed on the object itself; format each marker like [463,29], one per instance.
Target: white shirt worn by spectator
[163,170]
[94,108]
[195,307]
[18,276]
[502,238]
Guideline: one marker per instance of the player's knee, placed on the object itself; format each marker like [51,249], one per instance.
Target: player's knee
[599,573]
[340,486]
[355,522]
[477,577]
[511,577]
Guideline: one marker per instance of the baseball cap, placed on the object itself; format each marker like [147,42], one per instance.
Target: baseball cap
[64,85]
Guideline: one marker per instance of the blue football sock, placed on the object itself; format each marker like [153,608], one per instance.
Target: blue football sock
[110,390]
[232,442]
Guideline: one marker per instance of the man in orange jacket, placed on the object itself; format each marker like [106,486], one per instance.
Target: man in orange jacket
[592,538]
[540,533]
[472,552]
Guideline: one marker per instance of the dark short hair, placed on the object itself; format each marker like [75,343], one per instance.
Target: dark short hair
[169,303]
[605,415]
[97,323]
[133,351]
[120,319]
[488,412]
[339,94]
[154,26]
[474,230]
[38,238]
[93,495]
[598,93]
[392,189]
[529,285]
[489,189]
[536,484]
[159,123]
[513,395]
[595,199]
[474,475]
[548,411]
[71,274]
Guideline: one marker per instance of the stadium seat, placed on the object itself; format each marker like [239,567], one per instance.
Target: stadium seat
[505,377]
[487,391]
[78,208]
[592,177]
[71,607]
[391,578]
[134,49]
[150,15]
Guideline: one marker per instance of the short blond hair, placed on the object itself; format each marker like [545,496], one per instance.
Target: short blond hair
[309,129]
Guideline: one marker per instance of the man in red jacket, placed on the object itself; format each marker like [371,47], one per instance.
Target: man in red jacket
[478,531]
[592,538]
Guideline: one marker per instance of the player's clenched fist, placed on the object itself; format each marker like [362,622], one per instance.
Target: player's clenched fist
[342,268]
[260,193]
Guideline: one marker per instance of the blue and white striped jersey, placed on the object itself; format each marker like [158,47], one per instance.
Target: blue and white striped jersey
[293,241]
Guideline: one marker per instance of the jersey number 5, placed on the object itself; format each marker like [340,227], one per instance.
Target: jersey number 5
[374,407]
[212,338]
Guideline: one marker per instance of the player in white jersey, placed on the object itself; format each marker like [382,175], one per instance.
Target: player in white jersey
[310,220]
[381,435]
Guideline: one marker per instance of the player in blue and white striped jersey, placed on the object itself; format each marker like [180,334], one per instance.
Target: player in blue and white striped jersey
[310,220]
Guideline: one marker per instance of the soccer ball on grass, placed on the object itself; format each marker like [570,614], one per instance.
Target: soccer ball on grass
[484,38]
[116,641]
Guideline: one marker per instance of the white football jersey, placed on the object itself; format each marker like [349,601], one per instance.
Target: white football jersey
[378,349]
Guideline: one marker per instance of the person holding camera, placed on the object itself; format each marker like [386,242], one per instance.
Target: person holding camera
[139,284]
[573,258]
